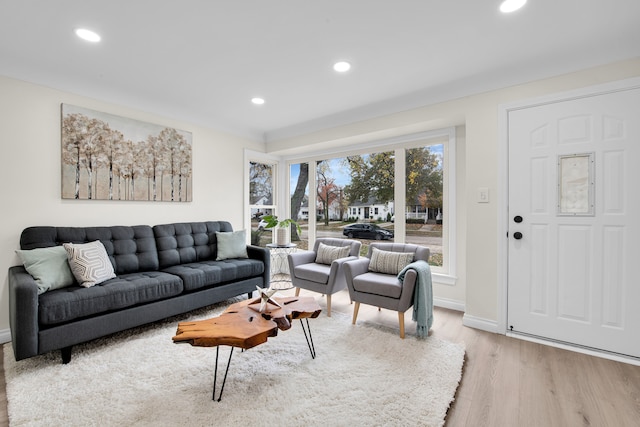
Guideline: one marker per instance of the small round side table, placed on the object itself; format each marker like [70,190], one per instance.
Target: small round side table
[280,276]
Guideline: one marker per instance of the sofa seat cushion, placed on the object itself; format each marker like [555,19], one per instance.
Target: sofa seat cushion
[313,272]
[386,285]
[197,275]
[63,305]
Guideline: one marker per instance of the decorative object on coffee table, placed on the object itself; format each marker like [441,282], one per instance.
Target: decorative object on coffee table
[265,299]
[242,325]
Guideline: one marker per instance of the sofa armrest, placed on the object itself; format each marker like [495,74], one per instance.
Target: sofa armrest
[23,313]
[261,254]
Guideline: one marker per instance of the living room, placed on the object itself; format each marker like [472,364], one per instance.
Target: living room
[30,174]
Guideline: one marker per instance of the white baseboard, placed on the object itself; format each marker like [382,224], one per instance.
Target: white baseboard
[480,323]
[578,349]
[5,336]
[451,304]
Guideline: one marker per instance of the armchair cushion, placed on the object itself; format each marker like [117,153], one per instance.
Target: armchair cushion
[327,253]
[378,284]
[388,262]
[314,272]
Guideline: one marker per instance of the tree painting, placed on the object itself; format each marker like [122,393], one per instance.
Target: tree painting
[107,157]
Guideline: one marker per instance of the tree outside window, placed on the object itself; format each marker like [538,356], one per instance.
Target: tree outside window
[261,199]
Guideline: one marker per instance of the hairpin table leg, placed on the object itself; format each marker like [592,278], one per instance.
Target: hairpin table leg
[215,374]
[312,348]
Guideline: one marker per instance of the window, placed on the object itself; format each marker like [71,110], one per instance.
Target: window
[364,185]
[299,189]
[261,199]
[423,198]
[352,189]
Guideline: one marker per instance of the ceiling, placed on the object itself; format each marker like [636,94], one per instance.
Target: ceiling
[202,61]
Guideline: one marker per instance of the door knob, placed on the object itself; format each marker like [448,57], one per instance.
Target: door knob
[517,235]
[517,219]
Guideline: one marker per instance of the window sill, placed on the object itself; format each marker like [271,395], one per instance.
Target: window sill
[443,279]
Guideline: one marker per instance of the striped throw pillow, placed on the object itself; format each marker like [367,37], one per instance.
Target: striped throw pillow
[388,262]
[327,253]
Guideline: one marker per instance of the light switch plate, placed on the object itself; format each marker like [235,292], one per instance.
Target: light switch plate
[483,195]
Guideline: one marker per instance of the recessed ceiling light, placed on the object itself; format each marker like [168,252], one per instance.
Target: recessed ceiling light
[342,66]
[508,6]
[257,101]
[87,35]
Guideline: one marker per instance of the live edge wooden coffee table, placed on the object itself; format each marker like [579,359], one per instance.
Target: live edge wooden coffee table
[243,325]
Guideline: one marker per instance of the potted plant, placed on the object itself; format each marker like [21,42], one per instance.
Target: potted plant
[281,232]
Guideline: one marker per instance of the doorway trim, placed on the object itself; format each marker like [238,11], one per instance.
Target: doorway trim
[503,191]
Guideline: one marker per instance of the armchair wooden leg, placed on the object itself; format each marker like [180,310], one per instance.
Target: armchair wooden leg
[355,312]
[297,291]
[401,321]
[328,305]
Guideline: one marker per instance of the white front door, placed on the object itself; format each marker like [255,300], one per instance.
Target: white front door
[574,221]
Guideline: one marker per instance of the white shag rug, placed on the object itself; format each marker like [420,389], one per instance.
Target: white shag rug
[362,375]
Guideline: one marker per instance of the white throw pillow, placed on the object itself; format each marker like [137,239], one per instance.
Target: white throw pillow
[231,245]
[327,253]
[388,262]
[89,263]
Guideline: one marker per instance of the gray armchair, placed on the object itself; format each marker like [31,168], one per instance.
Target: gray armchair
[321,270]
[383,289]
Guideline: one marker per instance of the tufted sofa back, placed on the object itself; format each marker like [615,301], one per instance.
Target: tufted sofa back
[130,248]
[137,248]
[182,243]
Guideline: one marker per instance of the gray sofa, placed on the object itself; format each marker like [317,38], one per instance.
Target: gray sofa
[161,271]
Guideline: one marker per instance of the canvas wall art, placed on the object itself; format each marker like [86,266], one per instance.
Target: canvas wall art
[108,157]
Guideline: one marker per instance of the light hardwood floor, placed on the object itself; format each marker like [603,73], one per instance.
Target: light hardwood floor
[510,382]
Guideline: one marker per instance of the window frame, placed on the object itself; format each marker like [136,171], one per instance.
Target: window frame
[446,136]
[264,158]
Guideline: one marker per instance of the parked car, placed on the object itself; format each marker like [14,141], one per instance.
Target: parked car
[367,231]
[262,225]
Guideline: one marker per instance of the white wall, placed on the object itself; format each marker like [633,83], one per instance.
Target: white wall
[477,243]
[30,169]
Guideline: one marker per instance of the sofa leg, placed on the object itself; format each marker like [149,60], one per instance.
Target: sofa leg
[66,354]
[249,295]
[297,291]
[328,305]
[355,312]
[401,321]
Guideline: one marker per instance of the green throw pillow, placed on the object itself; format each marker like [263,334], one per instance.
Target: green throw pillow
[327,253]
[231,245]
[48,266]
[389,262]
